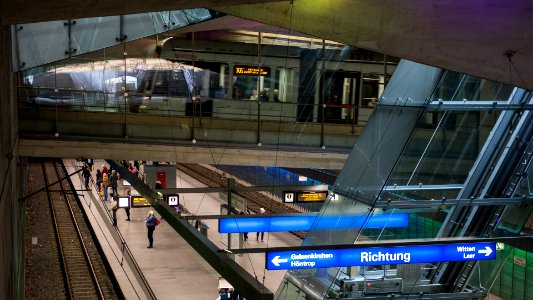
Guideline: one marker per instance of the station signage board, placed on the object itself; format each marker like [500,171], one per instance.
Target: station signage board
[304,197]
[124,202]
[251,70]
[139,201]
[303,222]
[173,200]
[325,258]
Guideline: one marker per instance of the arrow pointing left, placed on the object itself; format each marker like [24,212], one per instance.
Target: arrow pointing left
[276,260]
[487,251]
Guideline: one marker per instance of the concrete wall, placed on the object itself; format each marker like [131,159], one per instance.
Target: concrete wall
[151,175]
[9,221]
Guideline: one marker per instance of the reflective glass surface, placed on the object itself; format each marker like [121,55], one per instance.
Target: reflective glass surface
[462,87]
[254,88]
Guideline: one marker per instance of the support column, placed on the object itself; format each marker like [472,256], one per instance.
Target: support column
[230,81]
[9,214]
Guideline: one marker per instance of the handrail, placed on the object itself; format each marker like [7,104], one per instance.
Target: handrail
[124,248]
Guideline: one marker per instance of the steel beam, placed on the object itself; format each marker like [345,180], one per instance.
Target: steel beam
[219,259]
[515,240]
[245,189]
[453,202]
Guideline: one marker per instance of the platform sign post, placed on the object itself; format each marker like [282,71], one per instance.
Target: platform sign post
[288,197]
[173,200]
[124,202]
[304,196]
[325,258]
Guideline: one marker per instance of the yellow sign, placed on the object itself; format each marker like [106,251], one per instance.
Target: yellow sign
[249,70]
[138,201]
[312,196]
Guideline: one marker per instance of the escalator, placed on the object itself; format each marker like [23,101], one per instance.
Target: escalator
[502,178]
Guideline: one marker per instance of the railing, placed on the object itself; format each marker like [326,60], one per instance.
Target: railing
[125,253]
[85,100]
[330,125]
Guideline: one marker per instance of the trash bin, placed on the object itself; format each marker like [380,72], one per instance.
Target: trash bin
[203,229]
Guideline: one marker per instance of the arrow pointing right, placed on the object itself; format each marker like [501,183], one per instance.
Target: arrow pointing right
[276,260]
[487,251]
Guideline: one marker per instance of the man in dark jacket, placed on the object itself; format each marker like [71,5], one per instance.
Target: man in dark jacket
[113,182]
[86,175]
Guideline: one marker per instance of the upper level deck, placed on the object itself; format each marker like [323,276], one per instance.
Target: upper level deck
[204,101]
[214,131]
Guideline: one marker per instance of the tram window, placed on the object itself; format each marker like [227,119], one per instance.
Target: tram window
[282,84]
[247,86]
[370,89]
[216,74]
[277,75]
[240,87]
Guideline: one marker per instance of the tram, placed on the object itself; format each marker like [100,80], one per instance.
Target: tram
[215,85]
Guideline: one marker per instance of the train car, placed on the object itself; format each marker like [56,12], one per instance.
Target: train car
[113,85]
[224,80]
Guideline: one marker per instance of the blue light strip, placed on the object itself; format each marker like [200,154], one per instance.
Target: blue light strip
[303,222]
[325,258]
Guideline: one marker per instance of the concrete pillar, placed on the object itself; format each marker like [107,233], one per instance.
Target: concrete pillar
[230,81]
[9,220]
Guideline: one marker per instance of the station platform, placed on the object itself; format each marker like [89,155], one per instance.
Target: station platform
[172,268]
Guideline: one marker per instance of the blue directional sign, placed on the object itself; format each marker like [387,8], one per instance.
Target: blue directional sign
[303,222]
[307,259]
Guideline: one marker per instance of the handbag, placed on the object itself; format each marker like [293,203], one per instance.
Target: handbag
[157,222]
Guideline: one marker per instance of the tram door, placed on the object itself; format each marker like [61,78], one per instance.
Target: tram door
[341,96]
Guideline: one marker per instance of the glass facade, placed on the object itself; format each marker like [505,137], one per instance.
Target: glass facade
[438,155]
[255,84]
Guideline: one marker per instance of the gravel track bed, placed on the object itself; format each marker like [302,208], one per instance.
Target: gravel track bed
[43,277]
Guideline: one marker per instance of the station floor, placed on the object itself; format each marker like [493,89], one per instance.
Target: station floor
[172,268]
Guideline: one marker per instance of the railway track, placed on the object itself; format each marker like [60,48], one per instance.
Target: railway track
[255,200]
[85,275]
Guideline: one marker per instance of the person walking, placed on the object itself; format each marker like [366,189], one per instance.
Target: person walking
[98,180]
[262,234]
[158,184]
[114,208]
[104,170]
[105,185]
[90,164]
[86,175]
[113,182]
[244,234]
[127,209]
[150,225]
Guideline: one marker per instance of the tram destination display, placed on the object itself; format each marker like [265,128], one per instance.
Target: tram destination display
[251,70]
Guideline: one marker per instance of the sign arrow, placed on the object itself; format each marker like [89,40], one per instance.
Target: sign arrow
[276,260]
[375,256]
[487,251]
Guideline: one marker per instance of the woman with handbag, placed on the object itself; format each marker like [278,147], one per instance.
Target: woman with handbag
[151,221]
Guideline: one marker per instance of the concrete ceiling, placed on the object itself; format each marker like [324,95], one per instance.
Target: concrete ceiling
[31,11]
[491,39]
